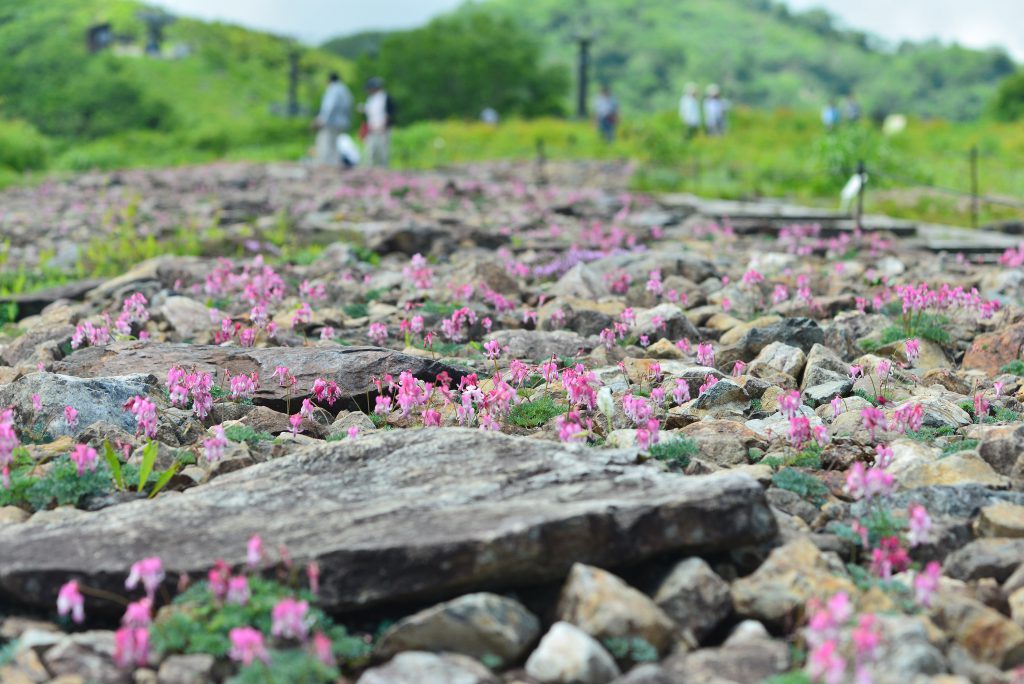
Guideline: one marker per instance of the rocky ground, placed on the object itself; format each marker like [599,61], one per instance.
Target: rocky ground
[500,424]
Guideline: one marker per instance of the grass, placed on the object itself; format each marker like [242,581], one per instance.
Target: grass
[930,434]
[532,414]
[963,445]
[1014,368]
[676,452]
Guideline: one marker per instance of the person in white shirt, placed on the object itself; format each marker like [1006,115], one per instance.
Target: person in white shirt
[332,121]
[689,110]
[379,113]
[714,111]
[606,110]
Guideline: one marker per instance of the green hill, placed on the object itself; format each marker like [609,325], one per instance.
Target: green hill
[762,54]
[211,92]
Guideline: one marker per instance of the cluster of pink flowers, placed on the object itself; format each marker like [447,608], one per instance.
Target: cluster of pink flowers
[326,391]
[888,557]
[85,331]
[874,420]
[84,457]
[144,411]
[133,311]
[921,297]
[867,483]
[8,443]
[257,283]
[196,385]
[452,326]
[580,385]
[827,660]
[213,447]
[572,428]
[419,272]
[908,418]
[243,386]
[705,354]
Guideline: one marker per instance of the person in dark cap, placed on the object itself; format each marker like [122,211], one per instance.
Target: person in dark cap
[332,121]
[380,114]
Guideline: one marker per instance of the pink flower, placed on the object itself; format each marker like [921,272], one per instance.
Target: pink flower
[709,382]
[378,332]
[290,619]
[980,407]
[866,639]
[313,574]
[323,649]
[218,577]
[705,354]
[856,372]
[149,571]
[883,455]
[825,664]
[284,376]
[213,447]
[570,428]
[353,432]
[138,613]
[920,523]
[254,551]
[799,430]
[998,387]
[70,417]
[144,411]
[889,557]
[837,404]
[738,368]
[926,583]
[789,404]
[493,349]
[37,403]
[70,601]
[84,457]
[681,393]
[882,368]
[238,590]
[912,348]
[131,647]
[247,646]
[296,423]
[874,420]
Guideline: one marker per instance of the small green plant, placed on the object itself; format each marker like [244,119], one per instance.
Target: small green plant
[755,406]
[378,420]
[804,485]
[1001,414]
[810,457]
[244,433]
[676,452]
[290,665]
[198,622]
[1014,368]
[531,414]
[794,677]
[631,649]
[929,434]
[356,310]
[963,445]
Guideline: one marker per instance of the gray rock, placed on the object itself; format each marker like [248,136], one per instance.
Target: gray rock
[579,281]
[187,317]
[195,668]
[475,625]
[906,651]
[404,515]
[780,357]
[674,323]
[720,395]
[353,368]
[795,332]
[89,655]
[648,673]
[992,557]
[819,394]
[417,667]
[747,661]
[98,399]
[604,606]
[1002,446]
[568,655]
[540,345]
[696,598]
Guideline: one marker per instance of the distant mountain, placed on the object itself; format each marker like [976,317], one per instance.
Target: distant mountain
[210,76]
[759,51]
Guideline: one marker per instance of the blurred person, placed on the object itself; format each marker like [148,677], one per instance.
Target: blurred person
[830,116]
[714,111]
[379,113]
[606,108]
[689,110]
[332,121]
[851,109]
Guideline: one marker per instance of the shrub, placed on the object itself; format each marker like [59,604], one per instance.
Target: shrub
[22,147]
[804,485]
[531,414]
[244,433]
[676,452]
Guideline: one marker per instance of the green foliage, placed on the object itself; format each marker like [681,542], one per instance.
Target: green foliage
[1014,368]
[962,445]
[378,420]
[244,433]
[63,486]
[22,147]
[199,623]
[1008,103]
[631,650]
[755,406]
[8,651]
[114,463]
[294,666]
[676,452]
[488,60]
[794,677]
[149,453]
[531,414]
[929,434]
[1001,414]
[805,485]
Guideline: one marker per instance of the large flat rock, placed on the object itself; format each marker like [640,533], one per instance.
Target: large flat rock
[353,368]
[402,516]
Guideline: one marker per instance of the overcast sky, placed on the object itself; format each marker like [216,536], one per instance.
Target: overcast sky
[978,23]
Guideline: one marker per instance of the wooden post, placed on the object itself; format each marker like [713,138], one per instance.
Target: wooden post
[860,193]
[975,201]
